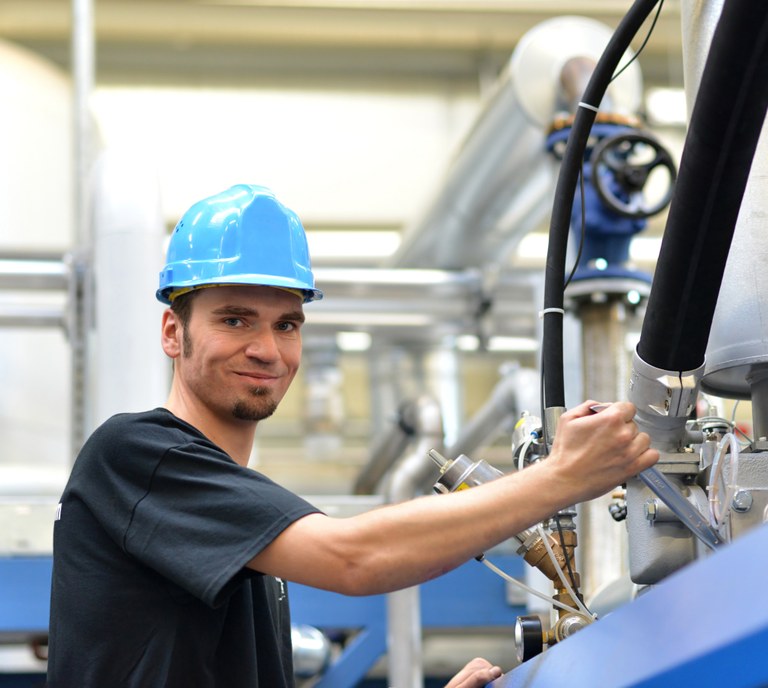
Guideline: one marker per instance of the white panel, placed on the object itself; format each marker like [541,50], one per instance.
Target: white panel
[36,202]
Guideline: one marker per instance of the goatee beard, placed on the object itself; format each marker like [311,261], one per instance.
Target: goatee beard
[262,406]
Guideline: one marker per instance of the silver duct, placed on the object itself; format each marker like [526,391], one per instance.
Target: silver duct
[499,185]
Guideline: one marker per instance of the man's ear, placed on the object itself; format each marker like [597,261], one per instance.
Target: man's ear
[171,334]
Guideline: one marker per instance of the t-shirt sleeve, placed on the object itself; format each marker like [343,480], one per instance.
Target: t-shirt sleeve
[204,517]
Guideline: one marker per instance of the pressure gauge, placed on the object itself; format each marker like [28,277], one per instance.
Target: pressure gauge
[529,637]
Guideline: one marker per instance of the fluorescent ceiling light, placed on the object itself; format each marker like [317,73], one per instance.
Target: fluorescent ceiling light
[467,342]
[644,249]
[512,344]
[666,106]
[384,276]
[352,244]
[370,319]
[353,341]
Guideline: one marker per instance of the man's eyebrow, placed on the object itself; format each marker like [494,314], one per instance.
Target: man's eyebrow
[234,310]
[295,316]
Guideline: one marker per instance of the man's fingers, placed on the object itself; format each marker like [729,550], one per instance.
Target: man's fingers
[476,674]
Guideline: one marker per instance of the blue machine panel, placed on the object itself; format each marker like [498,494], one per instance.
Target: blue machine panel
[707,625]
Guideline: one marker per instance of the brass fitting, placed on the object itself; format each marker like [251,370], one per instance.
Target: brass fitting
[538,557]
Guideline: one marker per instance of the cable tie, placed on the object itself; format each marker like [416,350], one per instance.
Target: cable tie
[542,313]
[588,106]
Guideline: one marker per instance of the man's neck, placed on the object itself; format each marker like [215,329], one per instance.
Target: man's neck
[234,436]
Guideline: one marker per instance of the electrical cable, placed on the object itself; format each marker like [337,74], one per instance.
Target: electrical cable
[717,515]
[523,451]
[560,573]
[572,169]
[643,44]
[528,588]
[552,346]
[561,535]
[736,428]
[748,439]
[733,412]
[583,236]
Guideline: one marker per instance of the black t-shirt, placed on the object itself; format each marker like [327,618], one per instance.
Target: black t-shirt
[150,588]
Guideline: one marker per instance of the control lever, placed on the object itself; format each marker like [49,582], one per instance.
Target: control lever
[668,493]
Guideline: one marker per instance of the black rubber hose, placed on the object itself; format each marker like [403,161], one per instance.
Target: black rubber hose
[725,125]
[554,274]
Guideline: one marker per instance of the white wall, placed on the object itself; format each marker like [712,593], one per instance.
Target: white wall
[338,158]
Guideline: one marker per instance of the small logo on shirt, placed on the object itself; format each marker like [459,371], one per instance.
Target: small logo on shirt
[281,597]
[58,513]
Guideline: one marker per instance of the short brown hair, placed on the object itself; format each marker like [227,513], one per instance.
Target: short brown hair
[182,307]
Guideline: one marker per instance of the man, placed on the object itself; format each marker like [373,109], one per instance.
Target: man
[169,553]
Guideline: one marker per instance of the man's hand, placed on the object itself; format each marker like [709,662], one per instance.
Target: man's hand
[598,451]
[476,674]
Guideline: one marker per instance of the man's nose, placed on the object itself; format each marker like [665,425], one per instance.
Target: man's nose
[263,346]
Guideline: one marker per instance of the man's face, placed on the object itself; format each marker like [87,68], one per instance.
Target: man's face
[241,349]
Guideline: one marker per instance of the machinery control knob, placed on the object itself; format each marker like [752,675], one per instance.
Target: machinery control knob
[569,624]
[529,637]
[634,175]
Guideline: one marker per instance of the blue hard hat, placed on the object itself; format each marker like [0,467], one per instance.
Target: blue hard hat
[241,236]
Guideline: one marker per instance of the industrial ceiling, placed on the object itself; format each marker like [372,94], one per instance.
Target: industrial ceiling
[315,42]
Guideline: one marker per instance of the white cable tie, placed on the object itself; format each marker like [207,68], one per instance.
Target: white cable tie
[542,313]
[589,107]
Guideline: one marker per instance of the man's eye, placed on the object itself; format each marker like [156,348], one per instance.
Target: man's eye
[233,322]
[287,326]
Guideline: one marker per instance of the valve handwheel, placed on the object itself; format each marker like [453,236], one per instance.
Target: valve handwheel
[633,174]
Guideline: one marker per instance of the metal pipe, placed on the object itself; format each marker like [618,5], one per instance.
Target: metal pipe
[403,607]
[31,315]
[515,392]
[498,185]
[605,370]
[758,383]
[80,316]
[721,142]
[386,450]
[438,302]
[33,273]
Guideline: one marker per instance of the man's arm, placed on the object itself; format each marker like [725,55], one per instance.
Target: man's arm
[404,544]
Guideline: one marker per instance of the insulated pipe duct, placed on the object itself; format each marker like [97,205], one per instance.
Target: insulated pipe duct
[39,273]
[726,122]
[722,137]
[498,186]
[403,606]
[412,304]
[33,272]
[517,391]
[738,341]
[387,449]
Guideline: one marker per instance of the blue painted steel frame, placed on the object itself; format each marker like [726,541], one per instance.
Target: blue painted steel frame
[469,597]
[706,625]
[25,595]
